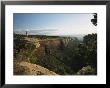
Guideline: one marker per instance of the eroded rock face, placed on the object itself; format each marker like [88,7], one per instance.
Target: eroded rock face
[48,46]
[66,41]
[51,46]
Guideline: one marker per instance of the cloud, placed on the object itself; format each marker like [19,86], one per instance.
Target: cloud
[37,31]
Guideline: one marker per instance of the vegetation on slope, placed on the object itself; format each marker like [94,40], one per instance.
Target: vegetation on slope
[64,56]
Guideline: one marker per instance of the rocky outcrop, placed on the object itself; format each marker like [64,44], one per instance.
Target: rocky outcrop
[33,69]
[49,45]
[66,41]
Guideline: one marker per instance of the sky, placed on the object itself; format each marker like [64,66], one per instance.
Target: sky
[55,24]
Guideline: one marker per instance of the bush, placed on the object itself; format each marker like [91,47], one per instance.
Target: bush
[86,71]
[33,60]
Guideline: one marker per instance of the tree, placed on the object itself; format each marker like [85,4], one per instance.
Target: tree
[94,20]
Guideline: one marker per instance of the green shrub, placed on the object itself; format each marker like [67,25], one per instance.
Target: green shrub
[33,60]
[88,70]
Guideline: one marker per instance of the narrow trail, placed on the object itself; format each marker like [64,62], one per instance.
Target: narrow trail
[36,69]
